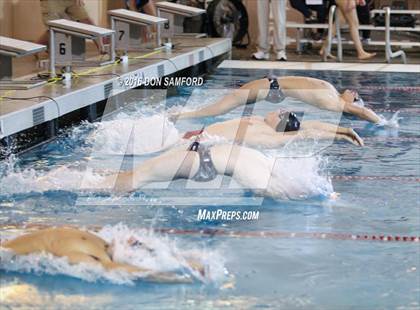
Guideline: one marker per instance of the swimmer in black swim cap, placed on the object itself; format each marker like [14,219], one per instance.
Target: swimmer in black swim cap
[315,92]
[282,121]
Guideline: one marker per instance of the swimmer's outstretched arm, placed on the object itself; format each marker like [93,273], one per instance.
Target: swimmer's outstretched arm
[166,277]
[246,93]
[362,112]
[279,138]
[163,277]
[351,137]
[317,125]
[314,129]
[324,95]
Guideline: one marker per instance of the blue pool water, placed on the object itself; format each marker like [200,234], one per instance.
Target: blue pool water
[247,272]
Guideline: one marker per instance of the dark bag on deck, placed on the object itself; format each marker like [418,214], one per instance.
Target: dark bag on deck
[397,20]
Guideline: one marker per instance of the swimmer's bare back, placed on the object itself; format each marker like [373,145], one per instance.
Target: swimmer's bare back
[61,242]
[80,246]
[46,240]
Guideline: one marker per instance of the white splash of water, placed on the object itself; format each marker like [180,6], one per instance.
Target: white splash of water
[393,122]
[299,178]
[133,136]
[61,178]
[159,254]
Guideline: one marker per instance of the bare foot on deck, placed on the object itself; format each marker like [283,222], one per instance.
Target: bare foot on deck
[329,56]
[366,55]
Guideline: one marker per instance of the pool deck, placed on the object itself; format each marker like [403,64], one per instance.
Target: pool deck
[19,115]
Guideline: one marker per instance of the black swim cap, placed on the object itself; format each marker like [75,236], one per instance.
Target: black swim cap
[288,122]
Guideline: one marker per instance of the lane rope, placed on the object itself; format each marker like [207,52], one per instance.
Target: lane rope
[413,89]
[390,139]
[390,110]
[291,235]
[212,232]
[375,178]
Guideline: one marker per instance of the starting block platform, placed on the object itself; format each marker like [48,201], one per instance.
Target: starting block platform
[128,25]
[52,101]
[10,48]
[68,42]
[175,14]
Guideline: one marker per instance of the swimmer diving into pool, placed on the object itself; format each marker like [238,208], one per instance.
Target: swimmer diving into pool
[202,162]
[275,129]
[80,246]
[312,91]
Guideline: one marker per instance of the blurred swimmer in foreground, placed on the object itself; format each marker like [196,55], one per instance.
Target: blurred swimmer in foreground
[202,162]
[312,91]
[80,246]
[275,129]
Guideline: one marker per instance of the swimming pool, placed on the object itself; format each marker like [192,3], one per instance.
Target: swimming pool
[298,255]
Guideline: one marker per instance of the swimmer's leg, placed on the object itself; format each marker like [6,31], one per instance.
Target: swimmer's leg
[247,93]
[173,164]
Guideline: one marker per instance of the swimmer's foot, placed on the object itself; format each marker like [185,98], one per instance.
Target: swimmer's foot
[329,56]
[366,56]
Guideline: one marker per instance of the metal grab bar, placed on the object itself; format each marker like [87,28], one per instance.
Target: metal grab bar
[388,50]
[333,15]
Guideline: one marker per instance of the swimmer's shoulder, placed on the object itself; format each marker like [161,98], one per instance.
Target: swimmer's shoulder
[60,233]
[255,118]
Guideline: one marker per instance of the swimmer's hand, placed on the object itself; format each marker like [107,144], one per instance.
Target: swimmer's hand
[351,136]
[393,122]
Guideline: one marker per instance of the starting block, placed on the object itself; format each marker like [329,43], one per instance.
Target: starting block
[175,14]
[128,27]
[68,43]
[10,48]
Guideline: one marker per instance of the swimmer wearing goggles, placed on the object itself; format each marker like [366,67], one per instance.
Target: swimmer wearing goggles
[274,130]
[315,92]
